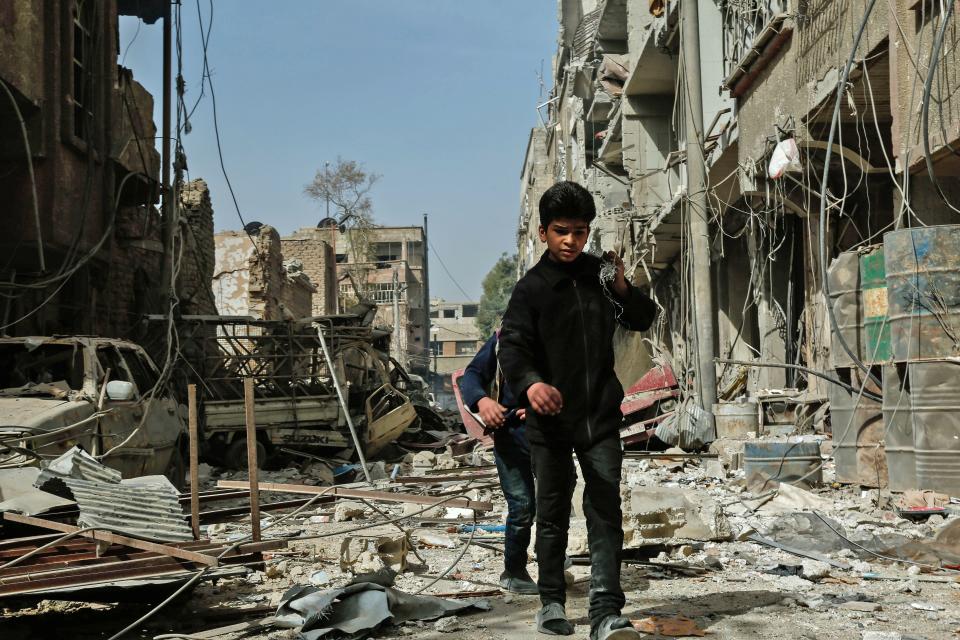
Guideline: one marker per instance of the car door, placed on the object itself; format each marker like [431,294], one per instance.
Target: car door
[125,448]
[163,423]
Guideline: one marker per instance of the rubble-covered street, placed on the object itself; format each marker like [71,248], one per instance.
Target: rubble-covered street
[700,546]
[312,363]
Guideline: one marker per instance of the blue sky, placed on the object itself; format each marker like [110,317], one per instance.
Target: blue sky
[437,96]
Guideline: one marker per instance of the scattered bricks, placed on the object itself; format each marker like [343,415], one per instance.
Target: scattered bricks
[424,460]
[347,510]
[730,452]
[447,625]
[814,570]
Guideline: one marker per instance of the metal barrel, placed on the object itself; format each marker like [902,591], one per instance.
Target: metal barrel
[844,280]
[923,291]
[898,428]
[736,419]
[790,462]
[873,297]
[935,413]
[857,425]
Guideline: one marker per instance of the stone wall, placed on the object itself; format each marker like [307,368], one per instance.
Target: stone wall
[250,278]
[197,263]
[311,248]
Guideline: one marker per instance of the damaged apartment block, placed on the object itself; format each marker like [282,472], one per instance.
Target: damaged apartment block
[823,279]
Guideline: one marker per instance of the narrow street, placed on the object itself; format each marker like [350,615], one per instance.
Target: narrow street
[308,362]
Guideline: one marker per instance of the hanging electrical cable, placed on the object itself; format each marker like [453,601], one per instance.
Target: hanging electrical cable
[925,104]
[841,84]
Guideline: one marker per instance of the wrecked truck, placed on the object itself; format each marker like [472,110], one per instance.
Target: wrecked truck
[298,411]
[97,393]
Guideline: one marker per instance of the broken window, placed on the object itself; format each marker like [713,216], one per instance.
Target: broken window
[142,376]
[23,363]
[470,310]
[388,251]
[109,358]
[449,313]
[83,62]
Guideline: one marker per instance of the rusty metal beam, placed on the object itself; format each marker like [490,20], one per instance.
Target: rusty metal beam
[432,479]
[253,465]
[340,492]
[115,538]
[194,461]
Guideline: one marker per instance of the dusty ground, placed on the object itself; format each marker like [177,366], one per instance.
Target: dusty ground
[739,594]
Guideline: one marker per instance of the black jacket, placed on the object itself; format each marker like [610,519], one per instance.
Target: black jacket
[558,329]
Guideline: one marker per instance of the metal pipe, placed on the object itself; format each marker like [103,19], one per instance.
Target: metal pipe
[697,214]
[166,207]
[343,404]
[813,372]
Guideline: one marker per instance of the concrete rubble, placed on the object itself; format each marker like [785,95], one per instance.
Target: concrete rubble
[702,554]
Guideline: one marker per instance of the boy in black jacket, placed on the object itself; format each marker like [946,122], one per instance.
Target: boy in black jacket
[556,350]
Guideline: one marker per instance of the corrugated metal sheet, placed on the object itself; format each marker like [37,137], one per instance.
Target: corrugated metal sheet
[145,507]
[77,463]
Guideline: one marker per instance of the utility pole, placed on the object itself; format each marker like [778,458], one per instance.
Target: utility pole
[396,320]
[697,214]
[425,335]
[167,207]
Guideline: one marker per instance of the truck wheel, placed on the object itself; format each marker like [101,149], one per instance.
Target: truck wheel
[177,469]
[236,455]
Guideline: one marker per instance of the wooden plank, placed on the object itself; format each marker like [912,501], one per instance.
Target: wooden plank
[252,462]
[116,538]
[194,462]
[341,492]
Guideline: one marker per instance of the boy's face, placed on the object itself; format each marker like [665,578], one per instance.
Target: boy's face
[565,238]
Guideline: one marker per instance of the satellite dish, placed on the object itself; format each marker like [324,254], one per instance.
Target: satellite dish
[327,223]
[253,228]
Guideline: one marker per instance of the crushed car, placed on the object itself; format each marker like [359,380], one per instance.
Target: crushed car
[103,395]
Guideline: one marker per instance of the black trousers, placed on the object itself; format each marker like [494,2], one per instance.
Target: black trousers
[600,465]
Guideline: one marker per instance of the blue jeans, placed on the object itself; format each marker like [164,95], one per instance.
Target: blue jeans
[512,455]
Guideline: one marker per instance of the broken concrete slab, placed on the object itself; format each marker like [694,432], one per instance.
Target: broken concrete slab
[675,513]
[367,554]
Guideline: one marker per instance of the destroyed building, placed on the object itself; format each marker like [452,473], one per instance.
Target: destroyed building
[86,249]
[386,265]
[826,131]
[253,278]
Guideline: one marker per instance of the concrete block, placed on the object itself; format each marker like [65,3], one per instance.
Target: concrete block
[672,512]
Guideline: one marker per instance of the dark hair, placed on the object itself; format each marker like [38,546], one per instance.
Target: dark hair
[566,200]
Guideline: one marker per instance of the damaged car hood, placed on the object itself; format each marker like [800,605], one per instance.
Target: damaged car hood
[41,414]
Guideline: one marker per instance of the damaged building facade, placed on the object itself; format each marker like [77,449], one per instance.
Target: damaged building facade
[385,265]
[827,138]
[80,181]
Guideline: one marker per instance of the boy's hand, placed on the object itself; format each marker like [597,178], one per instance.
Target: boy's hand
[492,412]
[620,281]
[545,399]
[522,414]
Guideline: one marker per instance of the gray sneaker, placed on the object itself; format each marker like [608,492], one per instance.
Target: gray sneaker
[614,628]
[552,620]
[520,583]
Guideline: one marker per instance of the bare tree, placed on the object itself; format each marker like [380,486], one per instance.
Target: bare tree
[346,185]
